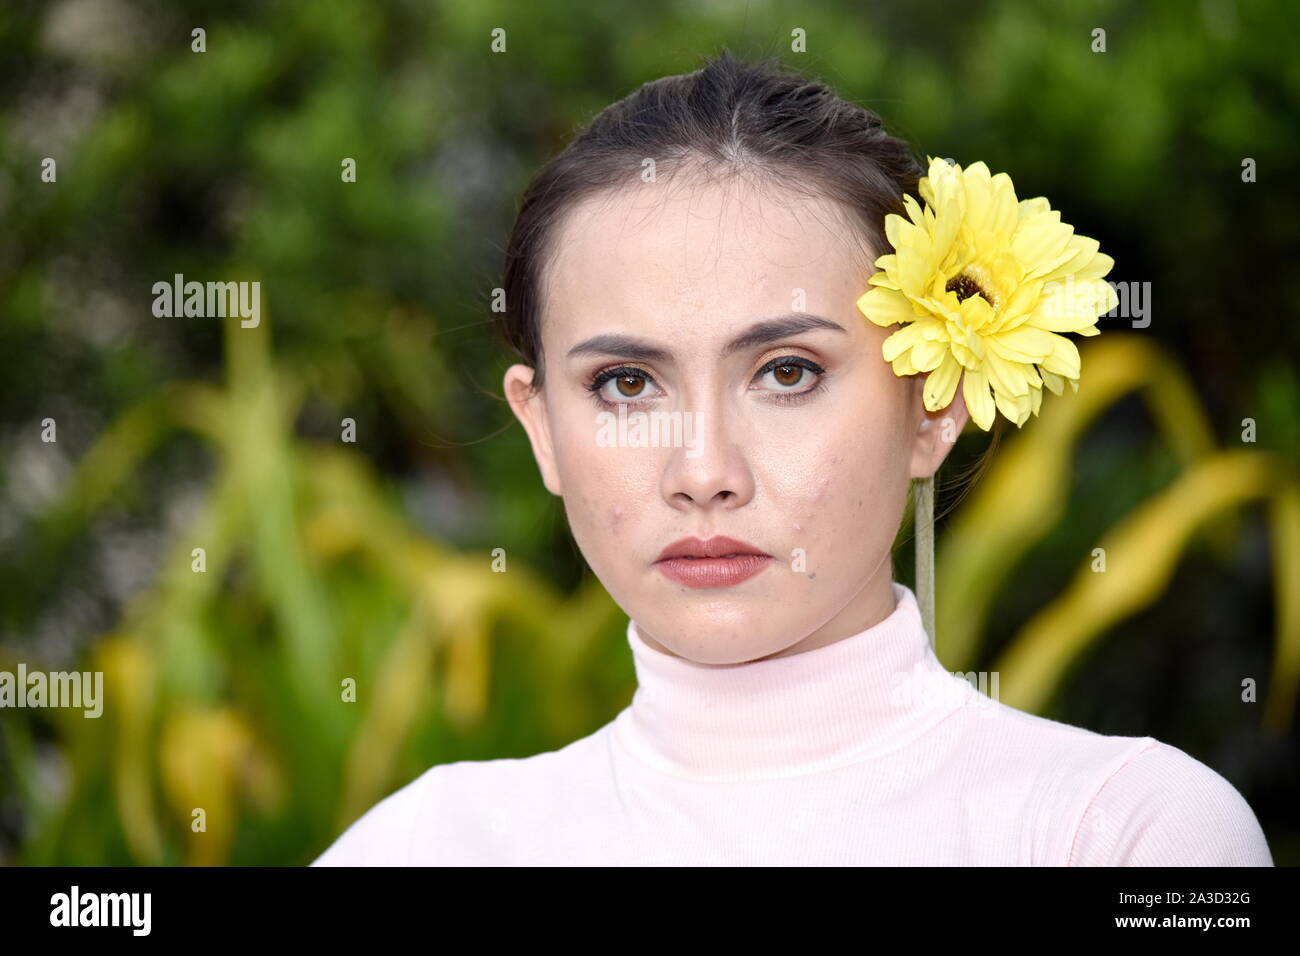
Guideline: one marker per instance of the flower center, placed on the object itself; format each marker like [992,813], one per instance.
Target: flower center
[975,279]
[965,287]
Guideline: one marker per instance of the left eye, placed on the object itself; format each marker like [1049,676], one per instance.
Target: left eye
[788,372]
[788,375]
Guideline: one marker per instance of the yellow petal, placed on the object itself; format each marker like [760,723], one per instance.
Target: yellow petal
[1033,207]
[1064,359]
[898,231]
[977,314]
[901,341]
[915,273]
[885,307]
[1108,296]
[903,365]
[941,384]
[1024,344]
[947,225]
[1055,383]
[1005,212]
[975,392]
[1098,267]
[962,354]
[1039,239]
[913,210]
[1006,377]
[1067,306]
[1080,251]
[1015,408]
[927,353]
[1053,264]
[979,198]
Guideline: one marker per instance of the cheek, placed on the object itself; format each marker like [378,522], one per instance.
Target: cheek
[827,482]
[826,492]
[835,496]
[606,489]
[614,519]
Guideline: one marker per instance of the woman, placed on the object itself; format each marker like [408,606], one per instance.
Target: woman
[695,258]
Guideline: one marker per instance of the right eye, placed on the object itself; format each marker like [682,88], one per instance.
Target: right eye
[624,385]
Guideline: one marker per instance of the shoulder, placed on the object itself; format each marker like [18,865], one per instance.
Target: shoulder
[1163,807]
[1092,799]
[470,811]
[1055,765]
[381,836]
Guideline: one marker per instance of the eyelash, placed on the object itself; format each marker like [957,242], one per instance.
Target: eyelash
[781,397]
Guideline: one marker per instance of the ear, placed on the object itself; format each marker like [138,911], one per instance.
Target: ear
[530,409]
[936,432]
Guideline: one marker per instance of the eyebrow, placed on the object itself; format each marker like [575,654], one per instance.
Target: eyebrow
[760,333]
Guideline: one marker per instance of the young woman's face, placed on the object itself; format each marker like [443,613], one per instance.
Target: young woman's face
[749,400]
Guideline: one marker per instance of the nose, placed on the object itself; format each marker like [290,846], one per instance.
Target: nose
[710,469]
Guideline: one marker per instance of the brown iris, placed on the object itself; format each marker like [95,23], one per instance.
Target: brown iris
[636,380]
[795,371]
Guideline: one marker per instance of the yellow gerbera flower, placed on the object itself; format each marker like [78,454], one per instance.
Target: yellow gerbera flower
[983,283]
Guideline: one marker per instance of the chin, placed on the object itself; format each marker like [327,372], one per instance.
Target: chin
[720,630]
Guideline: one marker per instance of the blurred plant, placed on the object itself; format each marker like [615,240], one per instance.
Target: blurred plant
[224,687]
[1025,494]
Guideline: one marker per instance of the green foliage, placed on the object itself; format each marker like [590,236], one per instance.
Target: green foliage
[329,560]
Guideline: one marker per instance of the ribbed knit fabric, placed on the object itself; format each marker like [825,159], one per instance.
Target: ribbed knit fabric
[865,751]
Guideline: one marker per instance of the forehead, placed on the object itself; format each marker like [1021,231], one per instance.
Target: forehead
[673,252]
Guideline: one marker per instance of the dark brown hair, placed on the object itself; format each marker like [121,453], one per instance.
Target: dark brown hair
[728,117]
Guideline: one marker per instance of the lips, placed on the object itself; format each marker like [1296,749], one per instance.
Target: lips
[717,562]
[717,547]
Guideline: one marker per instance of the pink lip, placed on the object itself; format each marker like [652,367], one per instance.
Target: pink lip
[717,562]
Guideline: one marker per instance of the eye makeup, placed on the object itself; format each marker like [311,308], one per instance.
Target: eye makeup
[785,364]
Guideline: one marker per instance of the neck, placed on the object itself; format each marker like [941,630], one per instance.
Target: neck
[827,705]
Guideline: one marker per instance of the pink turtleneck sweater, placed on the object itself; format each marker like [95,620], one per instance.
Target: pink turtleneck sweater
[865,751]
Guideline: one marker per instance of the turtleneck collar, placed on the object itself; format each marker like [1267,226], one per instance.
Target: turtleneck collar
[857,698]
